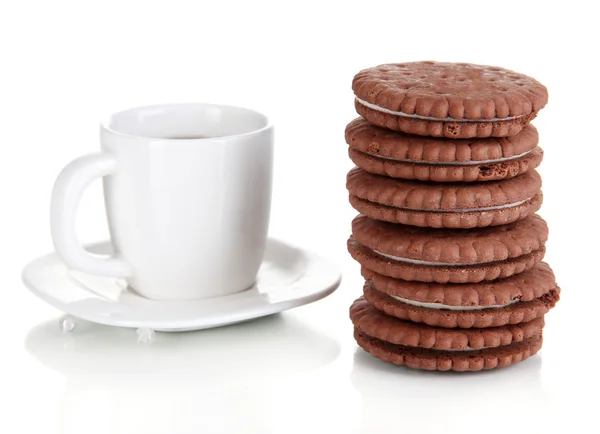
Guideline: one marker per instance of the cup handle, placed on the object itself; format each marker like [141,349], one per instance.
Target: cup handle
[66,194]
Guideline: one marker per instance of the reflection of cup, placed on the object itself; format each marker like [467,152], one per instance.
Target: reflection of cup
[187,191]
[423,401]
[218,380]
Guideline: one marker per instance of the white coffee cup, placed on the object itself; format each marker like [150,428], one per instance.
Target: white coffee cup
[187,191]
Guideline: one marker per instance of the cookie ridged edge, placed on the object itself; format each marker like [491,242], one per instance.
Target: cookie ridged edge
[447,129]
[369,320]
[424,196]
[451,220]
[434,360]
[370,139]
[482,245]
[525,286]
[452,274]
[441,90]
[483,172]
[513,314]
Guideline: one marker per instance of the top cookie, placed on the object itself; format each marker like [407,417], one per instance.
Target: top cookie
[455,100]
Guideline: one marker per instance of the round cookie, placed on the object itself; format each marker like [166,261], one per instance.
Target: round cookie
[526,286]
[453,100]
[432,360]
[399,155]
[448,255]
[511,313]
[376,324]
[448,205]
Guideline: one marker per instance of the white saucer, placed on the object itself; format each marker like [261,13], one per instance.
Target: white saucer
[289,277]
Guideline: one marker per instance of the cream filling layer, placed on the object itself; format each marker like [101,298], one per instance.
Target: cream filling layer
[454,163]
[487,208]
[455,308]
[448,307]
[419,262]
[429,118]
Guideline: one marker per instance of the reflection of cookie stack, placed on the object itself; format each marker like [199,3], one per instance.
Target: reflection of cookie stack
[448,239]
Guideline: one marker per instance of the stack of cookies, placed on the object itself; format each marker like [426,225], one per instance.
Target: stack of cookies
[447,235]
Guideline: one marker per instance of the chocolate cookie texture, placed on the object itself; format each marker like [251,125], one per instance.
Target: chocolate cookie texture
[453,100]
[372,322]
[399,155]
[523,287]
[514,312]
[449,205]
[447,238]
[448,255]
[432,360]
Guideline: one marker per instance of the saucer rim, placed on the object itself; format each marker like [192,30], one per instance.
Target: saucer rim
[189,325]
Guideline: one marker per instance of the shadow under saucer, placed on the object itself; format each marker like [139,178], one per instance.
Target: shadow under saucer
[217,380]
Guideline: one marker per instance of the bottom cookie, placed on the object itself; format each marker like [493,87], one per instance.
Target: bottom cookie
[436,360]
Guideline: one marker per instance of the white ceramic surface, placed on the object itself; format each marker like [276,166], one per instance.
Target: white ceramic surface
[288,277]
[187,191]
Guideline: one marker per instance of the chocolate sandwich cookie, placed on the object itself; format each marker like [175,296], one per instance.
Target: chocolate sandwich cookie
[448,255]
[453,100]
[376,324]
[432,360]
[513,300]
[424,347]
[448,205]
[399,155]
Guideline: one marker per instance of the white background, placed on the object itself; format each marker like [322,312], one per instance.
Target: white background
[65,64]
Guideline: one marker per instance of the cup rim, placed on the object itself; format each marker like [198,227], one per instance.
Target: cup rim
[104,124]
